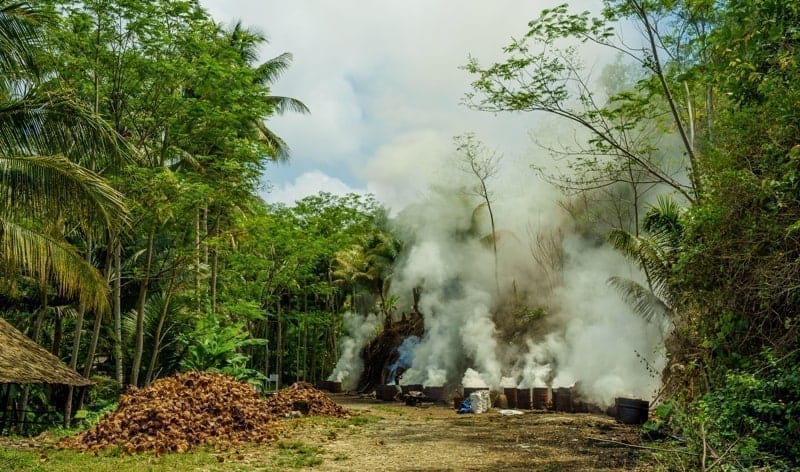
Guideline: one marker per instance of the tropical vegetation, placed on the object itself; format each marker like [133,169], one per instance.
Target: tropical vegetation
[133,243]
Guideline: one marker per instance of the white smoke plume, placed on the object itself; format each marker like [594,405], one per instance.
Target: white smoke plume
[360,329]
[550,318]
[476,336]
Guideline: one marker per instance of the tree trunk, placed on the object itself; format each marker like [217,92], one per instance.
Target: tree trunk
[117,309]
[58,333]
[197,240]
[266,349]
[37,332]
[76,345]
[98,323]
[214,269]
[73,362]
[137,356]
[161,320]
[205,232]
[279,349]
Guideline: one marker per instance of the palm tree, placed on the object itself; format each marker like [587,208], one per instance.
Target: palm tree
[44,133]
[656,253]
[246,41]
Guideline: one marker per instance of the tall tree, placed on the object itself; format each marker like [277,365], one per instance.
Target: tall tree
[44,133]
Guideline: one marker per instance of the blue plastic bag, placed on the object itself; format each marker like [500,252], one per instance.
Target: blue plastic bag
[465,407]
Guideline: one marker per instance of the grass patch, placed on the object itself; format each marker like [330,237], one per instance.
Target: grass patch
[296,454]
[362,420]
[48,460]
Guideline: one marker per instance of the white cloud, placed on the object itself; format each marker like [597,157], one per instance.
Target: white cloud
[382,74]
[309,183]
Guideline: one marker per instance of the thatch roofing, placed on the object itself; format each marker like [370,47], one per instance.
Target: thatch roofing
[22,361]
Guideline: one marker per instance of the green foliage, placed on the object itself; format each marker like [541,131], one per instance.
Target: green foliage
[217,347]
[750,420]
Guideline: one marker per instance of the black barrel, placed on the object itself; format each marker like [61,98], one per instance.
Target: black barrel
[511,396]
[411,388]
[562,399]
[434,393]
[631,410]
[386,393]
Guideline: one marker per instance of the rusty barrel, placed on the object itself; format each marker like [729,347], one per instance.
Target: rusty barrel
[511,396]
[411,388]
[541,398]
[334,387]
[524,398]
[434,393]
[562,399]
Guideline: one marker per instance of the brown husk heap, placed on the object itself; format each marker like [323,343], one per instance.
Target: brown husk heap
[304,397]
[175,413]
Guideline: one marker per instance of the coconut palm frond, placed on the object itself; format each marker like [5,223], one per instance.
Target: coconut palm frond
[180,159]
[36,185]
[20,36]
[53,122]
[272,69]
[153,307]
[283,104]
[350,264]
[245,41]
[279,150]
[42,256]
[663,221]
[643,301]
[624,242]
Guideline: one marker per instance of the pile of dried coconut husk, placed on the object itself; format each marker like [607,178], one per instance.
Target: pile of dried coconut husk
[175,413]
[303,397]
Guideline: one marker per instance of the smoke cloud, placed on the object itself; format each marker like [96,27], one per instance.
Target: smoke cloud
[360,329]
[550,318]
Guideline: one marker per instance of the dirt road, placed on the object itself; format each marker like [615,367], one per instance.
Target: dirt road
[434,438]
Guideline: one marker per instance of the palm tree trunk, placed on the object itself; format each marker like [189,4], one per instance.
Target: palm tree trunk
[76,344]
[73,362]
[161,320]
[214,270]
[279,350]
[117,308]
[37,332]
[58,333]
[137,356]
[197,240]
[205,232]
[98,323]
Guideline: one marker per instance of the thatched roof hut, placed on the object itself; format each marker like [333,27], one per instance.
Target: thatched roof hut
[22,361]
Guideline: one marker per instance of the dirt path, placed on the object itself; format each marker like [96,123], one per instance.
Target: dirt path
[400,437]
[382,437]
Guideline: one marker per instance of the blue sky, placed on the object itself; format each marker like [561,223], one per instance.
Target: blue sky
[383,84]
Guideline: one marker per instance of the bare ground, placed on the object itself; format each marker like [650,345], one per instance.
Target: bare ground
[435,438]
[385,436]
